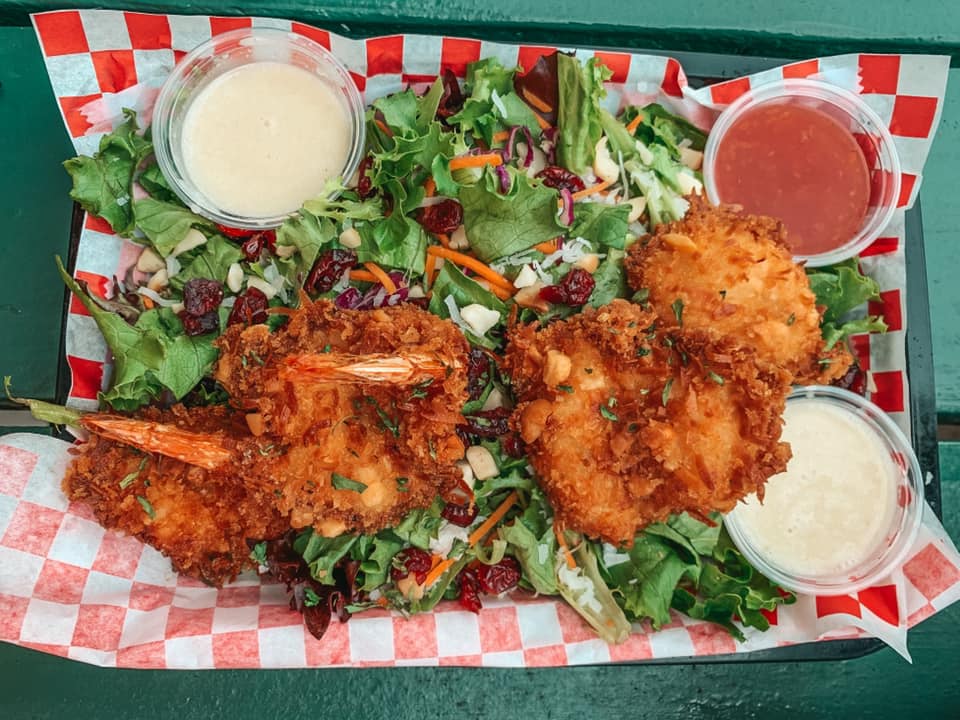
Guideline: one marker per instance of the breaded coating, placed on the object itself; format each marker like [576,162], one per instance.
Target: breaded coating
[627,423]
[733,273]
[201,519]
[352,456]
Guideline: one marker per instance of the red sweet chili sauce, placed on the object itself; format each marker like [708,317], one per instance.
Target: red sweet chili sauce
[800,165]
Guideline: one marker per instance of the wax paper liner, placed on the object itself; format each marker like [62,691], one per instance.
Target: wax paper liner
[69,587]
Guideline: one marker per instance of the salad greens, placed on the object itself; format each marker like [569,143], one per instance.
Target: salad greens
[481,179]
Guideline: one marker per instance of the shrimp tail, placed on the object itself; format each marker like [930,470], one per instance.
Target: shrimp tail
[359,369]
[201,449]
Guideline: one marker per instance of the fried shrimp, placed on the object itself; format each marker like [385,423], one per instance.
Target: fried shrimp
[627,423]
[200,517]
[730,272]
[363,408]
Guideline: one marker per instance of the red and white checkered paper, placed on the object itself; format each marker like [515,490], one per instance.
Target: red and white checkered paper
[69,587]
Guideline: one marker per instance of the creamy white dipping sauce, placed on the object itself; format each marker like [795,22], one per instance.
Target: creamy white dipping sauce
[832,507]
[262,138]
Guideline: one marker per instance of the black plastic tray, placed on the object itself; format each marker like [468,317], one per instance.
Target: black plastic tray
[705,69]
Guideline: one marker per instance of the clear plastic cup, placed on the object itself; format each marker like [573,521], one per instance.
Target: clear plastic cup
[851,112]
[219,55]
[907,498]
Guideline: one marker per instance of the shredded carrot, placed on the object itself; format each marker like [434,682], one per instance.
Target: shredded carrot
[382,601]
[363,276]
[487,525]
[544,125]
[550,246]
[536,102]
[472,161]
[429,187]
[444,239]
[501,136]
[571,563]
[383,126]
[500,292]
[381,277]
[591,190]
[439,569]
[484,271]
[634,124]
[147,302]
[428,271]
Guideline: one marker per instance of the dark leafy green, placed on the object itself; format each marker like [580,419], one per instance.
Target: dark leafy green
[103,184]
[492,105]
[503,224]
[610,279]
[322,554]
[166,224]
[578,114]
[841,288]
[451,282]
[600,223]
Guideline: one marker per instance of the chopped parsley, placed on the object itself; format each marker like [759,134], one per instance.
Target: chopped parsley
[402,483]
[723,294]
[265,450]
[310,597]
[420,390]
[792,319]
[387,422]
[588,371]
[607,413]
[641,297]
[718,379]
[665,397]
[566,388]
[326,348]
[255,357]
[341,482]
[643,351]
[259,553]
[130,477]
[677,307]
[147,507]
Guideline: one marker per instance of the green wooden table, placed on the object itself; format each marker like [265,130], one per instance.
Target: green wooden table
[36,212]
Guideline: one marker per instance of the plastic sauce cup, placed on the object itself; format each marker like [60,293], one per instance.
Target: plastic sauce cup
[218,56]
[906,498]
[847,113]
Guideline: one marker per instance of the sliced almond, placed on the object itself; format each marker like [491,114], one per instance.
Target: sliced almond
[529,297]
[680,242]
[525,278]
[235,278]
[637,206]
[557,368]
[482,462]
[604,166]
[693,159]
[149,261]
[286,251]
[589,262]
[193,239]
[331,528]
[256,424]
[159,280]
[261,285]
[350,238]
[458,239]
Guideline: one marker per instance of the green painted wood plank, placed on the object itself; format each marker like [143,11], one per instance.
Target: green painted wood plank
[880,685]
[757,27]
[36,216]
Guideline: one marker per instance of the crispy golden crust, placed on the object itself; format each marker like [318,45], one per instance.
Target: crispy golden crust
[734,274]
[616,449]
[202,518]
[398,440]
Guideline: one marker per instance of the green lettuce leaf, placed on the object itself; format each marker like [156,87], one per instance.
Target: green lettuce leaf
[491,104]
[842,288]
[148,357]
[103,184]
[587,592]
[450,281]
[499,225]
[308,234]
[211,260]
[166,224]
[397,242]
[421,526]
[375,565]
[610,279]
[578,115]
[531,540]
[153,181]
[601,224]
[322,554]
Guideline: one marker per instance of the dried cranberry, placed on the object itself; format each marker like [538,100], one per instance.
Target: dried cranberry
[249,308]
[452,99]
[499,578]
[574,289]
[412,560]
[488,423]
[469,591]
[479,367]
[328,269]
[513,445]
[560,178]
[253,246]
[462,515]
[365,182]
[201,296]
[235,233]
[442,218]
[200,324]
[854,380]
